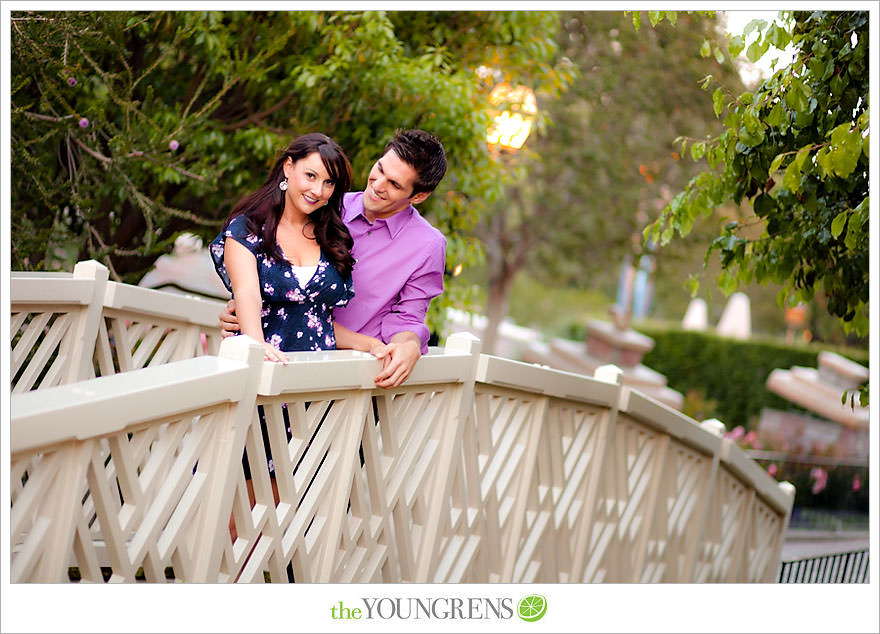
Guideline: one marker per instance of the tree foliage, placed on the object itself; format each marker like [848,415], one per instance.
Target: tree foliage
[129,128]
[794,156]
[607,160]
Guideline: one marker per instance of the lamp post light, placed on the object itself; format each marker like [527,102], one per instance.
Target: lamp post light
[511,126]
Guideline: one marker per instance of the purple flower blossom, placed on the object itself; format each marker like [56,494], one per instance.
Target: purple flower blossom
[173,145]
[71,81]
[84,123]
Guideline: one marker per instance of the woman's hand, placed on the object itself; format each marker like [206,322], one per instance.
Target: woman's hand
[271,353]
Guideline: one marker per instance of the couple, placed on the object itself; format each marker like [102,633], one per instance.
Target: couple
[312,266]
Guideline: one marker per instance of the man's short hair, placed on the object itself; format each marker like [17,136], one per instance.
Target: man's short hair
[424,153]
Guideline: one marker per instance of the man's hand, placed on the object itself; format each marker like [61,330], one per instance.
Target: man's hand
[398,358]
[228,321]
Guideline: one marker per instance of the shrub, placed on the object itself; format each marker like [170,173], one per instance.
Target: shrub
[731,372]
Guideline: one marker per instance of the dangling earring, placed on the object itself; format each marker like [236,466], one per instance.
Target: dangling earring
[283,185]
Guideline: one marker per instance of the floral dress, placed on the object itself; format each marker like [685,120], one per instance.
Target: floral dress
[294,316]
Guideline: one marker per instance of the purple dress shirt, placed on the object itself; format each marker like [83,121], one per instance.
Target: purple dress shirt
[399,269]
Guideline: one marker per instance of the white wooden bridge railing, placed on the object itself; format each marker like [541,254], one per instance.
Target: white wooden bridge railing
[477,469]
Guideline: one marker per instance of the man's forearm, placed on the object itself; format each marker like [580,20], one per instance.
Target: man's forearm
[406,336]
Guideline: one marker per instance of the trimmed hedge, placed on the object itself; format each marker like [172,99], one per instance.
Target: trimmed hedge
[731,372]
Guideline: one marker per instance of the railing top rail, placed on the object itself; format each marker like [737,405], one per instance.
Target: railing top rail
[545,381]
[352,369]
[187,308]
[780,495]
[50,290]
[678,425]
[43,417]
[30,275]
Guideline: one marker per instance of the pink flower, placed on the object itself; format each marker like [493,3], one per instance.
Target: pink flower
[84,123]
[736,433]
[771,469]
[71,81]
[173,145]
[750,438]
[857,483]
[820,477]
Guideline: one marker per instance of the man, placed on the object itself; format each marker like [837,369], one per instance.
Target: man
[400,258]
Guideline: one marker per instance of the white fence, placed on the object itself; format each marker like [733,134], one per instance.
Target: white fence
[477,469]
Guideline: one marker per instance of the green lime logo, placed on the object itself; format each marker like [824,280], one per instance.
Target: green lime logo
[532,608]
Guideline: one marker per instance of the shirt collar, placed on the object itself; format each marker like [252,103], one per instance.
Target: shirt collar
[395,223]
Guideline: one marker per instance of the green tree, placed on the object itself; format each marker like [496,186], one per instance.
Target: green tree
[129,128]
[607,160]
[794,156]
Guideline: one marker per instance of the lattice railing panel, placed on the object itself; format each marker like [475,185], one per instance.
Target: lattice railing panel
[720,554]
[356,504]
[129,342]
[765,537]
[570,454]
[507,435]
[39,357]
[673,532]
[625,501]
[132,496]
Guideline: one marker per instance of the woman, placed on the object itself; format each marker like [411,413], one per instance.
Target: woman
[289,262]
[285,255]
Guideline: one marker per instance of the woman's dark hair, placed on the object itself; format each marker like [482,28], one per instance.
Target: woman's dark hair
[264,207]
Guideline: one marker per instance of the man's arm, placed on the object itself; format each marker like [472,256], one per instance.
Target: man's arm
[404,327]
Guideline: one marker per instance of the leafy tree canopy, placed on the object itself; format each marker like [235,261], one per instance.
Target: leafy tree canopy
[794,156]
[129,128]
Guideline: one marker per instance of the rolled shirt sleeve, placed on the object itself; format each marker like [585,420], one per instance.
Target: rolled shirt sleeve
[409,311]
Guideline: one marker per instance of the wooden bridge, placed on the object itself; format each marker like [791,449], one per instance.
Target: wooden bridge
[130,418]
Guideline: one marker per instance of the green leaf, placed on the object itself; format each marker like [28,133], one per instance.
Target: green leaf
[756,50]
[791,180]
[776,117]
[839,222]
[776,162]
[754,24]
[697,151]
[764,204]
[736,45]
[637,20]
[801,157]
[655,17]
[706,48]
[727,282]
[718,101]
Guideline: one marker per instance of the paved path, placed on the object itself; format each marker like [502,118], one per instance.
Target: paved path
[801,543]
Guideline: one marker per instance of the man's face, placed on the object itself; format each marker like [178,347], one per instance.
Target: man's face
[389,187]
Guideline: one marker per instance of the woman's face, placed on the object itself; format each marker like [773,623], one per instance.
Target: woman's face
[309,186]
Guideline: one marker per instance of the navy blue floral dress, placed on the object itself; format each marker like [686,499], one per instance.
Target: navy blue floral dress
[294,317]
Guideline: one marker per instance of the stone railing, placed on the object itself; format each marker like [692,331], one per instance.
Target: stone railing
[477,469]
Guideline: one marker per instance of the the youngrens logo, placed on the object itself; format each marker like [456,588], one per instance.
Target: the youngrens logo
[530,608]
